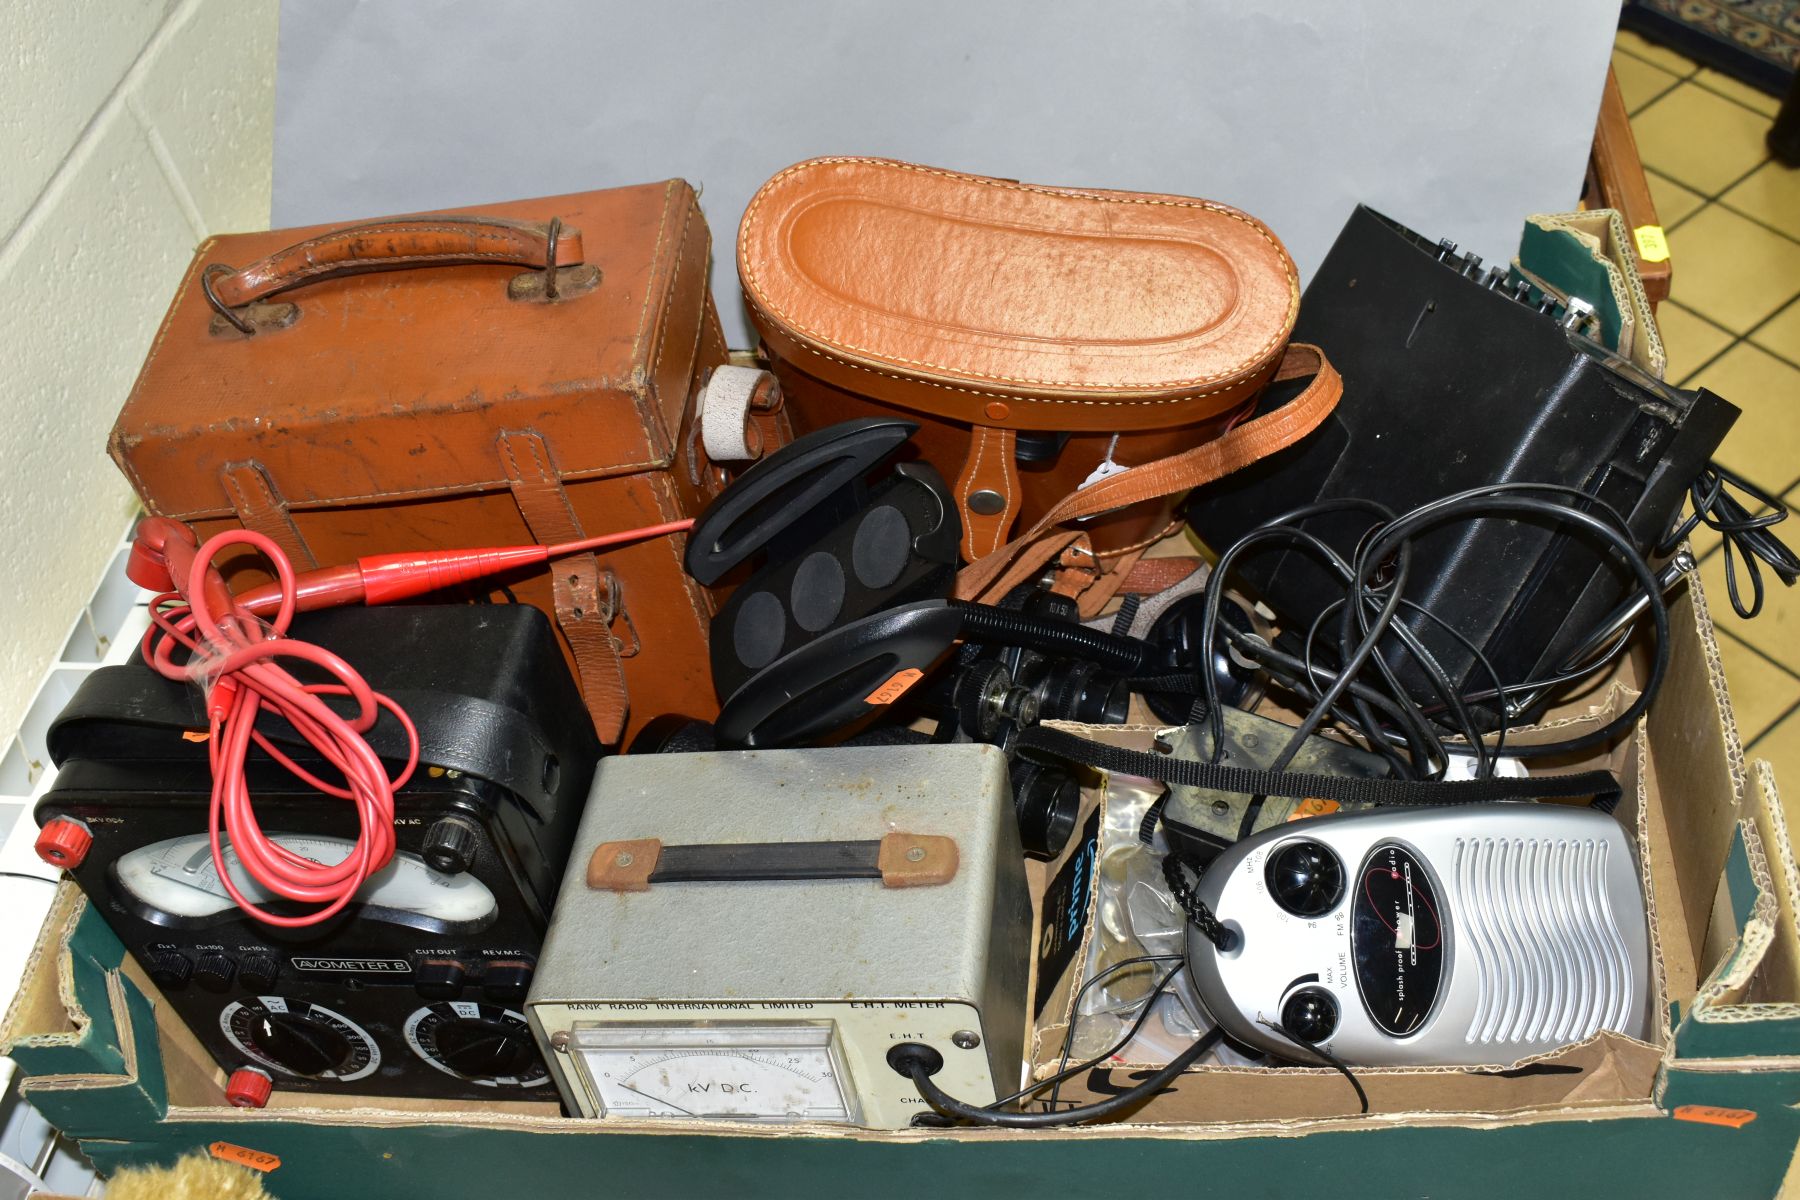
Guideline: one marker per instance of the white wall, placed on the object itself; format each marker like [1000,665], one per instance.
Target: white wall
[1455,117]
[131,129]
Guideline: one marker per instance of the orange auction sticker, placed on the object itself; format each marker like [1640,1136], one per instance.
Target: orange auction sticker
[256,1160]
[895,687]
[1712,1114]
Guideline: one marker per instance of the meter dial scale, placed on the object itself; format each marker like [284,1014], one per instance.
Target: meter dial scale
[772,1073]
[175,883]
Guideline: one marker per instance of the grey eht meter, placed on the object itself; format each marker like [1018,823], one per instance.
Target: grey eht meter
[744,936]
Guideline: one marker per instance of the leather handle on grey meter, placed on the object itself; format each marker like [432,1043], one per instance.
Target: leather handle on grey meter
[898,860]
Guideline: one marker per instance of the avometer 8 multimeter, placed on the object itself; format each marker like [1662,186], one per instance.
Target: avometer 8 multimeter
[418,988]
[744,936]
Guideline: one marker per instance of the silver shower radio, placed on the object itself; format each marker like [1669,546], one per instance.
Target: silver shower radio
[1480,934]
[744,936]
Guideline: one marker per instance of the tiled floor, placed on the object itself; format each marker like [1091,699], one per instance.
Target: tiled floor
[1732,323]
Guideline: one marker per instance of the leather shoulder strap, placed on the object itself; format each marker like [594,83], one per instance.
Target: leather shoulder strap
[584,598]
[1253,440]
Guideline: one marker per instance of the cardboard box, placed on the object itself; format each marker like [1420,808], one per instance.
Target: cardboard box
[1707,1111]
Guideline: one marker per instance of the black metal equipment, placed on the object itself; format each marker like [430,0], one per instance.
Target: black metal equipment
[1454,380]
[417,988]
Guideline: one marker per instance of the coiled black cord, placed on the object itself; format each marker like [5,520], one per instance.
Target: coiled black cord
[1374,604]
[1746,536]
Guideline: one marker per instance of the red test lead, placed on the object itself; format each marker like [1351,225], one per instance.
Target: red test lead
[374,578]
[196,612]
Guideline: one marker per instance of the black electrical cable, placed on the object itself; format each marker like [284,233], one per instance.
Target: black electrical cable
[1746,536]
[1567,675]
[1215,594]
[1101,1110]
[1292,671]
[956,1110]
[1075,1008]
[1443,684]
[1446,690]
[1331,1060]
[1065,1071]
[1280,527]
[1174,874]
[1516,498]
[1371,609]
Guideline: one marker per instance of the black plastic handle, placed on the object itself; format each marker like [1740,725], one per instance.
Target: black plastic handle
[839,677]
[786,486]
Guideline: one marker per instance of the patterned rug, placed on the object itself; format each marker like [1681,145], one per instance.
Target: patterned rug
[1757,41]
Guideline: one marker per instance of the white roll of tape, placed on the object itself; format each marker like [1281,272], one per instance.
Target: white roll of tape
[725,413]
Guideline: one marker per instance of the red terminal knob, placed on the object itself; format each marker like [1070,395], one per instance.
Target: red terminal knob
[249,1087]
[63,842]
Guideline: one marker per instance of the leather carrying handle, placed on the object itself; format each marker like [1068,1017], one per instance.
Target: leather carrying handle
[1022,558]
[396,245]
[897,860]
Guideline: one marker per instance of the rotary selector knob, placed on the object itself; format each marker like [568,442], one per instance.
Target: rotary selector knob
[259,972]
[1310,1015]
[302,1046]
[449,846]
[1305,878]
[486,1047]
[214,972]
[485,1044]
[171,969]
[295,1037]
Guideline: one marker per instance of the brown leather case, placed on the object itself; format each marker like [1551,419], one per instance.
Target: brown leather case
[1138,326]
[344,403]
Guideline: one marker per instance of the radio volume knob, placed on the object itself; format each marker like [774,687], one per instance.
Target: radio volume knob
[1310,1015]
[214,972]
[449,846]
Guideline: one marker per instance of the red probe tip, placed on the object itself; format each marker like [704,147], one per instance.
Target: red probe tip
[390,577]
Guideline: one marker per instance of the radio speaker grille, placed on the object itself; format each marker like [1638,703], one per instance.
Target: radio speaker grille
[1536,923]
